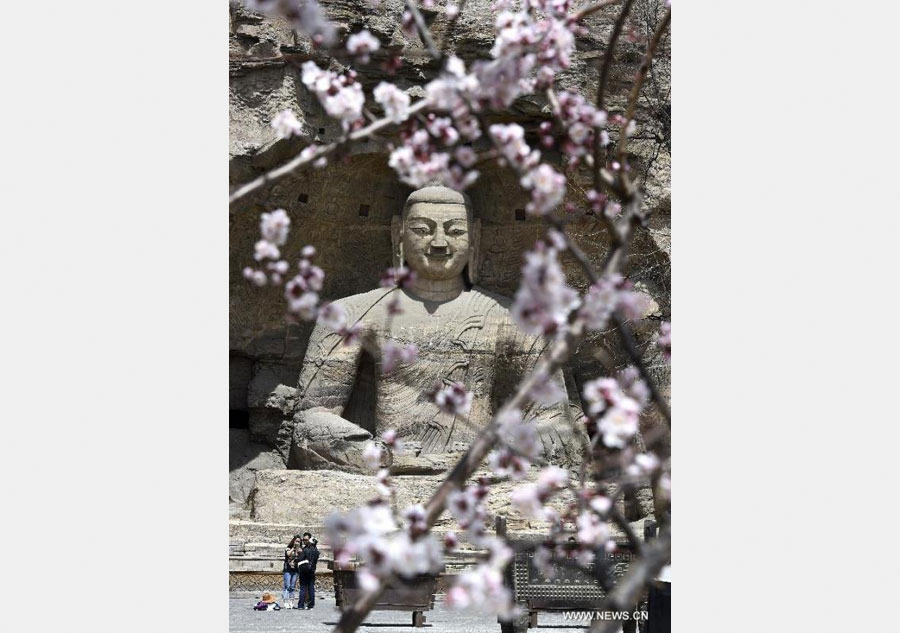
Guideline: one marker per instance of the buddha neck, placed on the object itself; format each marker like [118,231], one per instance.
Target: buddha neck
[438,290]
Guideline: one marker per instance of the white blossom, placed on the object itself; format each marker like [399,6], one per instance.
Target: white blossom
[361,44]
[394,101]
[547,186]
[333,316]
[275,226]
[286,124]
[544,300]
[265,249]
[591,530]
[393,354]
[620,423]
[453,399]
[372,455]
[601,504]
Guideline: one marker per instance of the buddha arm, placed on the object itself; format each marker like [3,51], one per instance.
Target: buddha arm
[563,441]
[328,372]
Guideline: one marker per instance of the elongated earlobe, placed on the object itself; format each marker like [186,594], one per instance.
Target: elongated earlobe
[397,241]
[474,265]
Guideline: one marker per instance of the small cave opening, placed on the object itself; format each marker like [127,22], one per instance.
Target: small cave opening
[238,419]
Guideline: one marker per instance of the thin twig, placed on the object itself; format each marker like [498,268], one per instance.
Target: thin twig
[601,92]
[634,354]
[424,32]
[639,80]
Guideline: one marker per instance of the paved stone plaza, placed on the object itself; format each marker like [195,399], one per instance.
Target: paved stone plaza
[243,619]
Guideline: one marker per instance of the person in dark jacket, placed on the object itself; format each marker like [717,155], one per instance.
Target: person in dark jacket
[306,572]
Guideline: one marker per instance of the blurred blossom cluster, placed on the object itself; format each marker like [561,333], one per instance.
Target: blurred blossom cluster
[341,95]
[614,406]
[307,16]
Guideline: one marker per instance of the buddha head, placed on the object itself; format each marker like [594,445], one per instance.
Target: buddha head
[436,235]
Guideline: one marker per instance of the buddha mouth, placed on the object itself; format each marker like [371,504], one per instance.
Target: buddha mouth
[438,255]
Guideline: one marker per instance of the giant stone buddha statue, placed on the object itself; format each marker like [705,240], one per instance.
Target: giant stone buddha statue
[464,333]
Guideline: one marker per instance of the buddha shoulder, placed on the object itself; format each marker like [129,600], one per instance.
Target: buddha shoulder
[361,305]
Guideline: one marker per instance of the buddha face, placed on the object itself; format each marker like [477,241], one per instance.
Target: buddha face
[437,239]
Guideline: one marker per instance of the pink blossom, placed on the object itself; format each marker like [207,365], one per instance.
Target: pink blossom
[265,249]
[367,580]
[394,101]
[521,435]
[333,316]
[600,504]
[634,305]
[451,11]
[512,145]
[465,156]
[415,518]
[665,339]
[499,82]
[600,302]
[644,464]
[482,587]
[463,505]
[383,483]
[630,381]
[361,44]
[372,455]
[274,226]
[307,18]
[451,540]
[341,97]
[286,124]
[547,186]
[393,354]
[400,276]
[257,277]
[620,423]
[591,530]
[391,439]
[452,399]
[505,463]
[442,129]
[301,303]
[544,300]
[527,501]
[552,478]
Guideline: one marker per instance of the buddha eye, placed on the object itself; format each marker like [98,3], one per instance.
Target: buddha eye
[457,232]
[419,230]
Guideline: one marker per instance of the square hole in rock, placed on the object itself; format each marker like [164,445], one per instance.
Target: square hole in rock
[303,198]
[520,215]
[363,210]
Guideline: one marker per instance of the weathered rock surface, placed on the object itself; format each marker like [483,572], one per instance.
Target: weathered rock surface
[245,460]
[294,497]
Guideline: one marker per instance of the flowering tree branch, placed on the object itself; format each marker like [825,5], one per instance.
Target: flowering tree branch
[319,151]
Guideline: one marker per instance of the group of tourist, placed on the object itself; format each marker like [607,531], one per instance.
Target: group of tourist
[300,558]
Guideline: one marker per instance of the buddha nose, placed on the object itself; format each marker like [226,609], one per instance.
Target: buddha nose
[440,240]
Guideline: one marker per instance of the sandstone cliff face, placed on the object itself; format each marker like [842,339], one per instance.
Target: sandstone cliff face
[345,209]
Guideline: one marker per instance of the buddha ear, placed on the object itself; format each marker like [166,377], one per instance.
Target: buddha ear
[397,240]
[474,253]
